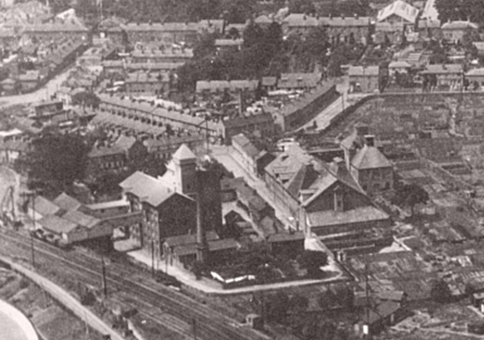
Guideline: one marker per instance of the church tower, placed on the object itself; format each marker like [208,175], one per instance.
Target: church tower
[185,166]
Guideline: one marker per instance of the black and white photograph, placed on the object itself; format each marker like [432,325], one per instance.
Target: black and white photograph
[241,169]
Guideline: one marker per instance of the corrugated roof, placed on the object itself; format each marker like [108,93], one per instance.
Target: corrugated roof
[369,157]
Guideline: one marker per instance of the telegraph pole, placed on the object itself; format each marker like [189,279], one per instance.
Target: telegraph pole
[103,268]
[31,237]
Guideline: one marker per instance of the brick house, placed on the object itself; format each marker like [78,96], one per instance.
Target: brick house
[364,79]
[322,198]
[371,169]
[395,21]
[454,31]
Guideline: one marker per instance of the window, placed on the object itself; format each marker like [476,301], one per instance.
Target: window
[338,200]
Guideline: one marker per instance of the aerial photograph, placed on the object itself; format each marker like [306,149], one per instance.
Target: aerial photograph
[241,169]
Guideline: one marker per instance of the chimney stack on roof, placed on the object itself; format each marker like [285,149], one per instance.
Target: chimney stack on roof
[362,129]
[370,140]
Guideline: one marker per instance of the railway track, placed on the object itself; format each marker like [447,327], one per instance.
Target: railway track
[146,296]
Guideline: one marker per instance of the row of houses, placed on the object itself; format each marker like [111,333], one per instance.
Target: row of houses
[393,23]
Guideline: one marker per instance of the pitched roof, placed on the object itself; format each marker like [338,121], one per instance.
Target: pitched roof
[148,189]
[399,8]
[345,21]
[364,71]
[57,224]
[248,120]
[45,207]
[184,153]
[101,151]
[67,202]
[476,72]
[230,85]
[81,219]
[459,25]
[443,69]
[399,64]
[246,145]
[298,80]
[359,215]
[300,20]
[369,157]
[125,142]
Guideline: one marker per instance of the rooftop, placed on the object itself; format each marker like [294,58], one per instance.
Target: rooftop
[369,157]
[398,8]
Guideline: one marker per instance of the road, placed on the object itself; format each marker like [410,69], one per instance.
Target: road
[41,94]
[325,117]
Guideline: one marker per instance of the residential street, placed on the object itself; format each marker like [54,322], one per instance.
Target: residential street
[41,94]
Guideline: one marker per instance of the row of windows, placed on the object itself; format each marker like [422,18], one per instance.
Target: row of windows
[112,165]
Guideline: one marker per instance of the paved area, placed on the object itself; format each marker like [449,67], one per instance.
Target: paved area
[67,300]
[43,93]
[325,117]
[211,287]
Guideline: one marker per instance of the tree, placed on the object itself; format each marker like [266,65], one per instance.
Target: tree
[277,306]
[205,47]
[298,304]
[312,261]
[440,292]
[410,195]
[302,6]
[57,160]
[86,99]
[450,10]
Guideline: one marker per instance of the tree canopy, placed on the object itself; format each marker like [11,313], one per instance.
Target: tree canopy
[410,195]
[440,292]
[312,261]
[57,160]
[86,99]
[450,10]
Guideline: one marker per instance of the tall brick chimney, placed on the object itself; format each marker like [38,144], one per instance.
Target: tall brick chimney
[202,247]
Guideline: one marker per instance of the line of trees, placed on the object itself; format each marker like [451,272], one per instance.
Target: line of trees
[450,10]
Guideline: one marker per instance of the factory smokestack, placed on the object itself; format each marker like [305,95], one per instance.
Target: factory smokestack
[202,248]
